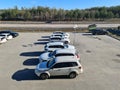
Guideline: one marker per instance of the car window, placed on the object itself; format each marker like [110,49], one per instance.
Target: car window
[64,54]
[50,63]
[56,46]
[61,65]
[55,38]
[72,64]
[52,53]
[59,35]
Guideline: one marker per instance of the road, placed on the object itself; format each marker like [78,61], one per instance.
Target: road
[100,57]
[55,25]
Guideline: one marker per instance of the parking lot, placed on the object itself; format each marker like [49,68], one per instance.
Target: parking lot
[100,57]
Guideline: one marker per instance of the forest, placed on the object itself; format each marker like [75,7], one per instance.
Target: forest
[40,13]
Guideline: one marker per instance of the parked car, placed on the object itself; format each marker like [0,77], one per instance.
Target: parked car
[99,32]
[7,35]
[14,34]
[59,66]
[2,39]
[52,46]
[58,53]
[59,39]
[63,33]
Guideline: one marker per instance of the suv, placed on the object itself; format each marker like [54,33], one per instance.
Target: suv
[59,39]
[58,53]
[52,46]
[59,66]
[64,35]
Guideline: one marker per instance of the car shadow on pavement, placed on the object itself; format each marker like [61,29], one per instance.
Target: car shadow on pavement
[31,62]
[45,36]
[40,43]
[25,74]
[43,40]
[32,54]
[28,74]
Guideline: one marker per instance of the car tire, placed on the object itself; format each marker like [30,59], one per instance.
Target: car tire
[66,42]
[72,75]
[44,76]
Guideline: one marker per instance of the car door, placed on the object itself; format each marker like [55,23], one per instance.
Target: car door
[59,69]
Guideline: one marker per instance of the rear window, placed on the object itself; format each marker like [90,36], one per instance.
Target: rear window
[64,54]
[55,38]
[56,46]
[59,35]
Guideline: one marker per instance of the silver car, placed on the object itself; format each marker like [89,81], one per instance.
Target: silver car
[58,53]
[59,66]
[52,46]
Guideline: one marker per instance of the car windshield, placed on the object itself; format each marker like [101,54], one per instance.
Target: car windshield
[66,46]
[2,35]
[51,54]
[50,63]
[55,38]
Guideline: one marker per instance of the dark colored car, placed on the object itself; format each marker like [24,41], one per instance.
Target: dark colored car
[14,34]
[98,32]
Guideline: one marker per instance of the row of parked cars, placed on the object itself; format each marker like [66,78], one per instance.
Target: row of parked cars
[99,32]
[59,59]
[114,31]
[7,35]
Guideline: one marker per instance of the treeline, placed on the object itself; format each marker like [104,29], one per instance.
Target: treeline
[52,14]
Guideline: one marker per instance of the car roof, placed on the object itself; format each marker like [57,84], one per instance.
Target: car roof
[65,59]
[55,43]
[66,51]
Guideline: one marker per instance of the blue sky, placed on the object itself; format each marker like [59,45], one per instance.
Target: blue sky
[65,4]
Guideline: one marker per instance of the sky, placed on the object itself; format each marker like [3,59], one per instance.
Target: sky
[64,4]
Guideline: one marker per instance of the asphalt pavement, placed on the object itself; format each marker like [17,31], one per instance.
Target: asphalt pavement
[100,57]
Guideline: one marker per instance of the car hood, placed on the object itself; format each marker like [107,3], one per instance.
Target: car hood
[44,56]
[42,66]
[70,47]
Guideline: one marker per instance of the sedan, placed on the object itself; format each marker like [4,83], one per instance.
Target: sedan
[52,46]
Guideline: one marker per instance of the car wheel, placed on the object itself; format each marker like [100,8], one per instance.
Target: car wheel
[44,76]
[72,75]
[66,42]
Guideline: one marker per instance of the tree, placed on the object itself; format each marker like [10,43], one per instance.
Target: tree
[0,17]
[27,15]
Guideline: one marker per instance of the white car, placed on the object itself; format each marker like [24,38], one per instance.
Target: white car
[52,46]
[58,53]
[61,33]
[7,35]
[59,66]
[59,39]
[2,39]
